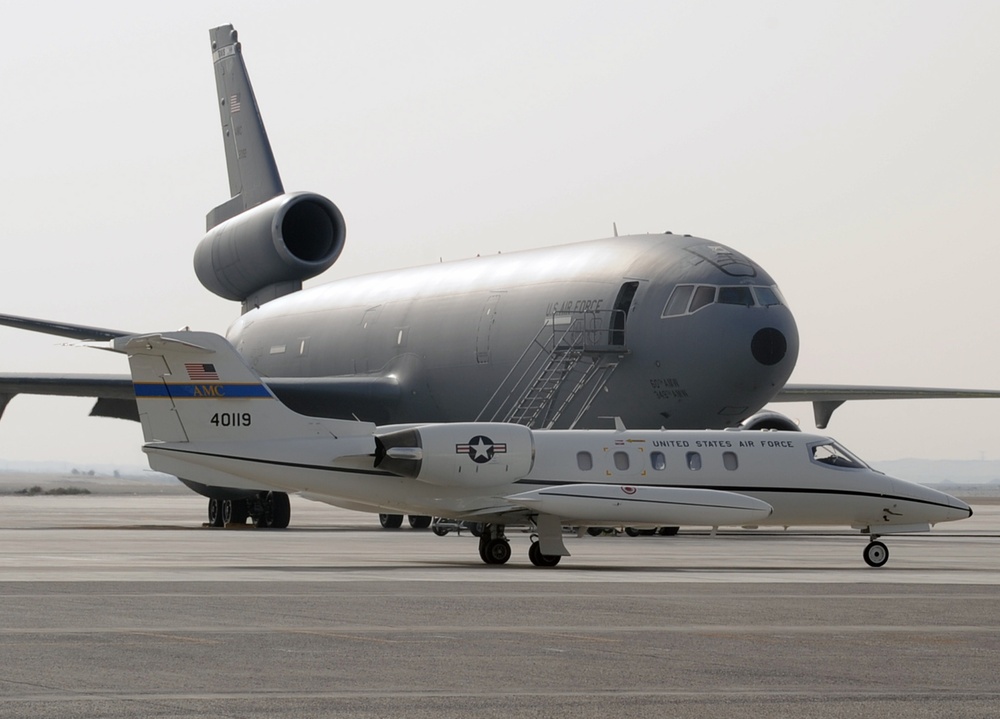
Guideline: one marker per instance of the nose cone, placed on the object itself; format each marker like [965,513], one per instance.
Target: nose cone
[930,505]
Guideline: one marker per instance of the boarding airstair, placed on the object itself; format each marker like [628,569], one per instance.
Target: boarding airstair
[563,368]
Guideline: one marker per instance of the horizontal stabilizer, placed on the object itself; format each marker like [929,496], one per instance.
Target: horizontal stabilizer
[61,329]
[636,504]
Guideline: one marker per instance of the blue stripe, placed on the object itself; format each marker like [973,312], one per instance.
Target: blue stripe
[201,391]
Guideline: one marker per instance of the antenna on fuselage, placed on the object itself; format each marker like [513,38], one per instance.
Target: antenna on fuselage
[615,225]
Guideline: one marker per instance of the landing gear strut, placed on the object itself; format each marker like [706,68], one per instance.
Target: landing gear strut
[876,553]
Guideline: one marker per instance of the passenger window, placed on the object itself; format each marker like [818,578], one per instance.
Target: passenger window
[658,461]
[621,461]
[694,461]
[584,461]
[678,302]
[704,295]
[766,296]
[731,461]
[735,296]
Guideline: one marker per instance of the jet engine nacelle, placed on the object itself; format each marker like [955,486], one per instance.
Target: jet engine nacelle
[457,455]
[289,238]
[770,420]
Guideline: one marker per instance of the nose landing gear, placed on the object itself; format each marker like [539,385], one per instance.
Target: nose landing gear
[876,553]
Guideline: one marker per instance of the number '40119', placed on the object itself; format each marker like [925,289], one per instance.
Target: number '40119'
[231,419]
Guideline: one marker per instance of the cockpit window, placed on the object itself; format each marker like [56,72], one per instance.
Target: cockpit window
[766,296]
[735,296]
[678,302]
[687,299]
[704,295]
[832,454]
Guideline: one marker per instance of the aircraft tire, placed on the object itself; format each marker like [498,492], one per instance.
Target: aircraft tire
[876,554]
[215,513]
[235,511]
[632,531]
[542,560]
[390,521]
[439,531]
[495,551]
[668,531]
[418,521]
[281,510]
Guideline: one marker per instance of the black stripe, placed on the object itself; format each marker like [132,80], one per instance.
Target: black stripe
[276,463]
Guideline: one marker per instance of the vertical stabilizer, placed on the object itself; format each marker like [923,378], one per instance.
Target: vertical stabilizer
[253,173]
[195,387]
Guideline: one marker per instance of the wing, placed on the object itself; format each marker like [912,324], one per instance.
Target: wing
[828,397]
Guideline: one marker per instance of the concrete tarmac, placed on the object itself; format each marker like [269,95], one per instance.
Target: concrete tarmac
[127,606]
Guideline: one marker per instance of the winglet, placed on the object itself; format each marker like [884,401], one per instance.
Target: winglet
[253,173]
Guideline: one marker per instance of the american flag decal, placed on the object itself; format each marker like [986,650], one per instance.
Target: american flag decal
[234,104]
[198,372]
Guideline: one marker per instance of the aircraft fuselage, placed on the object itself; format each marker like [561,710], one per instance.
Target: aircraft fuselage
[443,338]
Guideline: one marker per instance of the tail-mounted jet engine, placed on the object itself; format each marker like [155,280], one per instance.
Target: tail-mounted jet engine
[267,251]
[457,455]
[770,420]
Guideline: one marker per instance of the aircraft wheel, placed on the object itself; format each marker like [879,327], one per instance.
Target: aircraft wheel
[281,509]
[495,551]
[391,521]
[419,522]
[476,528]
[235,511]
[668,531]
[542,560]
[439,530]
[215,513]
[632,531]
[876,554]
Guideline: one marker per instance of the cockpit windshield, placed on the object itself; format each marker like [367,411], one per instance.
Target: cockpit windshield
[832,454]
[688,299]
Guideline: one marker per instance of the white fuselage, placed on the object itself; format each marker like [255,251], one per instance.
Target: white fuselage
[806,479]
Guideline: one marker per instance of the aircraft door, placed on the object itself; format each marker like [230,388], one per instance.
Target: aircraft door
[616,333]
[486,321]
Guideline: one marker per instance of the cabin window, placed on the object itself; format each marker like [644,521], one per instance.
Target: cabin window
[678,302]
[694,461]
[584,461]
[621,461]
[703,296]
[658,461]
[730,460]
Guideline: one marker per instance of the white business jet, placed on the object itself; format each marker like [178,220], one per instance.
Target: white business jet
[206,415]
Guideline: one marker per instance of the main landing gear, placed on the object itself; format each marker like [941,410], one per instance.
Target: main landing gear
[876,553]
[395,521]
[268,510]
[495,549]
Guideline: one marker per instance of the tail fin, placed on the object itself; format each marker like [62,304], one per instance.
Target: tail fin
[194,386]
[253,173]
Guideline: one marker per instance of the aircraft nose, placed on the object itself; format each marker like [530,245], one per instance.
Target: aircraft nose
[964,511]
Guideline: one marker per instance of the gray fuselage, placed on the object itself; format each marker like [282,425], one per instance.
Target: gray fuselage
[444,338]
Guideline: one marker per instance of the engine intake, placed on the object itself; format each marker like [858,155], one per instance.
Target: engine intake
[458,455]
[274,247]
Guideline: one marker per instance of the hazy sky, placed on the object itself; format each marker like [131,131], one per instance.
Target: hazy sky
[850,148]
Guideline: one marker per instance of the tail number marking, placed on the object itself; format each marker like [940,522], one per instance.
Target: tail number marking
[231,419]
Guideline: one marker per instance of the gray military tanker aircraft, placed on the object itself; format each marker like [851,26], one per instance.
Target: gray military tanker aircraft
[660,330]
